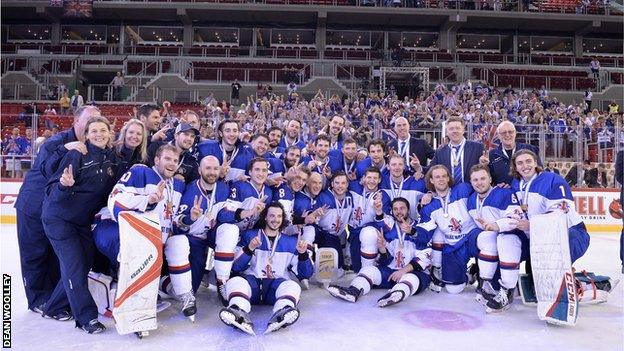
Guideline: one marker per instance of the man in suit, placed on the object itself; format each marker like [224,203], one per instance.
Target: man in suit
[573,175]
[590,175]
[459,154]
[408,146]
[619,176]
[500,157]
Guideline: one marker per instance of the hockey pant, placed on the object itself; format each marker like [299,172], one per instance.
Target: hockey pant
[454,259]
[246,290]
[75,249]
[223,240]
[39,264]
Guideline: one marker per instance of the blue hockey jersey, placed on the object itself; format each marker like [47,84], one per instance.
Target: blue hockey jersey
[500,206]
[213,205]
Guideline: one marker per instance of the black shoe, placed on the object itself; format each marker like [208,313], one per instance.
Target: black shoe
[38,309]
[93,327]
[61,316]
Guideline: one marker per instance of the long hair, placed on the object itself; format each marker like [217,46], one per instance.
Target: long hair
[262,220]
[513,172]
[142,148]
[429,174]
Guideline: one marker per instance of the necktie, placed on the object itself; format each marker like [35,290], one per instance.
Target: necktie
[457,167]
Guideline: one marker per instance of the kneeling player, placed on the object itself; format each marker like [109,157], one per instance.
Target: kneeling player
[263,264]
[401,265]
[546,192]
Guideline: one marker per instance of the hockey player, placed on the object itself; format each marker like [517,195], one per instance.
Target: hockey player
[361,223]
[263,266]
[457,237]
[303,207]
[183,140]
[330,229]
[344,159]
[402,266]
[74,194]
[275,135]
[542,192]
[207,224]
[227,149]
[396,184]
[496,209]
[319,161]
[39,264]
[156,189]
[376,158]
[249,198]
[285,195]
[293,130]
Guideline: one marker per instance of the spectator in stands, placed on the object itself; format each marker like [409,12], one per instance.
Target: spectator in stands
[76,101]
[602,176]
[543,93]
[551,166]
[65,103]
[13,147]
[235,95]
[47,133]
[587,98]
[118,84]
[614,108]
[619,176]
[60,88]
[594,67]
[291,88]
[572,176]
[49,110]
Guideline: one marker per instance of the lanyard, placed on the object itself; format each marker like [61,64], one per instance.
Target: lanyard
[368,196]
[457,155]
[445,203]
[481,202]
[274,246]
[224,154]
[524,188]
[396,192]
[348,168]
[401,235]
[293,143]
[260,192]
[505,152]
[209,202]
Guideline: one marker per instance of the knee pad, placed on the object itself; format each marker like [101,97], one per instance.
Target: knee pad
[455,288]
[238,284]
[368,239]
[177,250]
[227,236]
[486,242]
[410,280]
[372,273]
[288,288]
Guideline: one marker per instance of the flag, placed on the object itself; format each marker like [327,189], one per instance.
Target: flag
[78,8]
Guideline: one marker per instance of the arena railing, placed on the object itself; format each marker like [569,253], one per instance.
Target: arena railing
[569,6]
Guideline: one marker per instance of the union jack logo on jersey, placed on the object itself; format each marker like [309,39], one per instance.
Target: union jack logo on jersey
[455,225]
[563,206]
[358,214]
[268,272]
[400,259]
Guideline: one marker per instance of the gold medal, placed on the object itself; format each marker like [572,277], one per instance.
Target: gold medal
[524,207]
[446,215]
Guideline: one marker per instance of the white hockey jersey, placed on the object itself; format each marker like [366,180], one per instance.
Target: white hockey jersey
[449,215]
[410,189]
[244,196]
[500,206]
[338,214]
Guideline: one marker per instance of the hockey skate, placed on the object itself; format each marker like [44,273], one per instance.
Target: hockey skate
[350,294]
[391,298]
[305,284]
[501,302]
[237,318]
[282,319]
[472,273]
[436,279]
[221,293]
[188,305]
[485,292]
[93,327]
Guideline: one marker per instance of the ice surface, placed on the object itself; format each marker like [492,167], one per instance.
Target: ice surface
[425,322]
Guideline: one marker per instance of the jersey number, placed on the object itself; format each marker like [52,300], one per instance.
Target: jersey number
[124,178]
